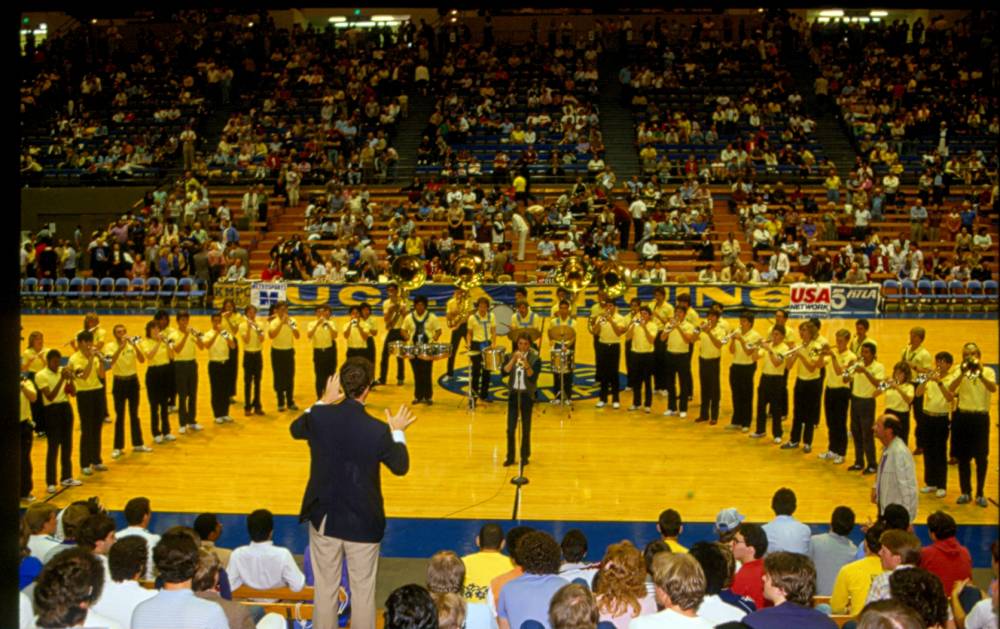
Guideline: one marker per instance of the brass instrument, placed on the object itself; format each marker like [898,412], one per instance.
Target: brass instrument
[731,335]
[972,368]
[574,275]
[292,324]
[614,279]
[858,364]
[924,377]
[468,272]
[885,385]
[408,272]
[785,354]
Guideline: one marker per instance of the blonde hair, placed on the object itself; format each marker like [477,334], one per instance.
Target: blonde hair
[681,578]
[451,610]
[445,573]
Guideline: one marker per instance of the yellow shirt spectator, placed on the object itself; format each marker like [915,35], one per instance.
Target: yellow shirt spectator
[853,582]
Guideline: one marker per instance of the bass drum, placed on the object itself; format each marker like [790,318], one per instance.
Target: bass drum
[503,314]
[562,361]
[493,359]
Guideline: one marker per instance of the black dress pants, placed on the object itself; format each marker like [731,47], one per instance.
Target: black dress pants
[519,403]
[27,438]
[423,388]
[836,403]
[457,335]
[808,397]
[283,371]
[608,359]
[660,366]
[741,384]
[679,369]
[643,364]
[186,374]
[232,368]
[59,429]
[218,383]
[91,411]
[253,369]
[971,439]
[324,366]
[936,428]
[125,392]
[711,390]
[393,335]
[158,382]
[918,418]
[769,400]
[863,431]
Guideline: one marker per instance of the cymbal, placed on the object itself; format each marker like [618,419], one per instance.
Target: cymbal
[562,332]
[532,333]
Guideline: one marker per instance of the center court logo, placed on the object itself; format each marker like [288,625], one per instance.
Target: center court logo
[583,388]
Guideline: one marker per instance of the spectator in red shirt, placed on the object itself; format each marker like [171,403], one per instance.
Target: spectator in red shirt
[945,557]
[749,546]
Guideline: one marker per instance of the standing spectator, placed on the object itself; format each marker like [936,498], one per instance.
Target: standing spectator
[896,482]
[918,222]
[188,137]
[945,557]
[833,550]
[789,584]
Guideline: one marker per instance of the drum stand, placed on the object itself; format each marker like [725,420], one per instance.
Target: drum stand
[470,400]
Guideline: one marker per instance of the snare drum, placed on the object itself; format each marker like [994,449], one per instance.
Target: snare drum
[408,351]
[395,347]
[562,361]
[493,359]
[438,350]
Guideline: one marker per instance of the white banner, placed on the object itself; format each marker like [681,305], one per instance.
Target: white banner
[809,300]
[265,294]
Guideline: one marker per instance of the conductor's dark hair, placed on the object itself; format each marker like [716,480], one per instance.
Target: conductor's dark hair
[410,607]
[356,376]
[94,529]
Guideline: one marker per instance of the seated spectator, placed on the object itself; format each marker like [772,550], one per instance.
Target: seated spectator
[620,586]
[715,559]
[97,534]
[527,597]
[176,558]
[67,588]
[785,533]
[850,589]
[451,611]
[789,584]
[900,550]
[670,526]
[445,577]
[40,517]
[72,517]
[680,589]
[262,565]
[920,590]
[511,541]
[749,547]
[28,567]
[574,553]
[833,550]
[573,607]
[945,557]
[138,513]
[209,528]
[206,585]
[410,607]
[122,593]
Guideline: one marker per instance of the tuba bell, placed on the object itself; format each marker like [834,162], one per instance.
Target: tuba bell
[408,272]
[468,271]
[614,279]
[573,274]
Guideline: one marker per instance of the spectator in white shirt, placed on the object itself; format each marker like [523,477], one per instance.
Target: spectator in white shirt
[574,552]
[566,246]
[680,590]
[121,595]
[785,533]
[138,512]
[715,565]
[545,248]
[262,565]
[236,271]
[67,588]
[41,520]
[649,250]
[97,534]
[707,275]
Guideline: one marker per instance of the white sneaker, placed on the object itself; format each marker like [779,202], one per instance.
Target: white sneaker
[647,410]
[169,438]
[837,459]
[229,419]
[616,405]
[116,453]
[684,414]
[196,427]
[87,471]
[825,456]
[71,482]
[555,400]
[171,409]
[220,420]
[633,407]
[142,449]
[941,493]
[929,489]
[566,402]
[601,404]
[777,440]
[158,439]
[627,389]
[182,430]
[51,489]
[669,413]
[745,429]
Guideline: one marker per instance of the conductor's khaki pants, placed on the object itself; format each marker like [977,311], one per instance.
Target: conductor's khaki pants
[326,554]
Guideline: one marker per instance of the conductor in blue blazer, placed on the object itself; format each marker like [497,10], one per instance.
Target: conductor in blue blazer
[343,499]
[522,368]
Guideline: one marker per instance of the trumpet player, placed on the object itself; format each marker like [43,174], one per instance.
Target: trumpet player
[679,334]
[394,310]
[92,324]
[642,334]
[482,334]
[231,322]
[28,396]
[711,335]
[283,331]
[420,327]
[252,336]
[898,396]
[865,374]
[808,391]
[184,343]
[607,329]
[322,333]
[917,356]
[938,405]
[163,322]
[219,341]
[633,317]
[371,329]
[663,312]
[741,373]
[159,376]
[355,334]
[769,390]
[457,312]
[781,318]
[88,367]
[522,366]
[125,356]
[55,385]
[837,397]
[971,426]
[33,361]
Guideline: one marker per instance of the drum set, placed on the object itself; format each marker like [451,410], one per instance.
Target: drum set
[426,351]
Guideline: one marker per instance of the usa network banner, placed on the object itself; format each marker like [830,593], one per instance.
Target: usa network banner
[823,299]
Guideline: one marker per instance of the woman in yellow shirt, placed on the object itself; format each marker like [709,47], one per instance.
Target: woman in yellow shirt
[898,396]
[158,378]
[125,356]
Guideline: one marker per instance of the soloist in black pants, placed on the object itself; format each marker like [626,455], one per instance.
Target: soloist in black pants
[218,383]
[423,388]
[393,335]
[971,439]
[522,402]
[678,368]
[769,400]
[711,390]
[836,403]
[27,438]
[324,365]
[808,396]
[862,431]
[125,391]
[253,369]
[936,450]
[283,372]
[741,384]
[186,374]
[158,379]
[59,429]
[90,408]
[608,358]
[643,364]
[457,335]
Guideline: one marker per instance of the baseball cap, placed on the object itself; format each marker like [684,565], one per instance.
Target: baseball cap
[728,519]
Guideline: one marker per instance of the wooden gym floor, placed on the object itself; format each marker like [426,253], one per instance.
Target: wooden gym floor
[587,464]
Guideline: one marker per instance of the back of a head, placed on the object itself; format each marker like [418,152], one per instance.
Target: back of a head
[260,525]
[176,557]
[206,524]
[356,376]
[794,574]
[38,514]
[206,575]
[904,544]
[573,606]
[922,591]
[127,558]
[713,563]
[445,573]
[872,537]
[514,536]
[574,546]
[941,525]
[538,553]
[69,583]
[94,529]
[842,521]
[783,502]
[889,614]
[896,516]
[451,610]
[490,536]
[73,516]
[755,537]
[410,607]
[136,509]
[621,580]
[670,523]
[650,552]
[681,578]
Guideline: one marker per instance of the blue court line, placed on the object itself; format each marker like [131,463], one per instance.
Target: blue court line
[422,537]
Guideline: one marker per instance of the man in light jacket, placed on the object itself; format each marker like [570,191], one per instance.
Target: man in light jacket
[896,481]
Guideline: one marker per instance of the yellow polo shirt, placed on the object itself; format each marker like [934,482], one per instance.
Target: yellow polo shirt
[972,394]
[844,359]
[431,325]
[861,387]
[919,357]
[934,400]
[399,318]
[25,414]
[79,362]
[285,339]
[480,327]
[530,320]
[708,349]
[256,343]
[802,371]
[322,333]
[30,361]
[47,379]
[767,360]
[640,342]
[452,309]
[353,334]
[126,365]
[559,321]
[162,355]
[232,323]
[791,335]
[663,312]
[189,349]
[895,402]
[850,589]
[675,342]
[606,333]
[740,356]
[218,348]
[856,344]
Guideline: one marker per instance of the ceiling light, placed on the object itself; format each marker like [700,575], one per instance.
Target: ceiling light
[879,13]
[383,18]
[832,13]
[335,19]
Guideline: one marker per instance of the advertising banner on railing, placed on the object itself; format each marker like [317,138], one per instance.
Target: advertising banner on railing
[809,300]
[844,300]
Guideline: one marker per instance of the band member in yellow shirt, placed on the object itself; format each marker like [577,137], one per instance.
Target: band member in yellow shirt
[92,324]
[771,355]
[898,396]
[971,426]
[159,377]
[33,361]
[371,327]
[919,358]
[482,335]
[125,356]
[394,310]
[88,367]
[642,331]
[663,312]
[283,331]
[29,395]
[219,341]
[742,346]
[867,374]
[524,318]
[421,327]
[231,322]
[322,332]
[184,343]
[457,319]
[791,340]
[808,392]
[837,396]
[52,383]
[252,335]
[563,383]
[607,328]
[937,418]
[355,334]
[711,335]
[679,334]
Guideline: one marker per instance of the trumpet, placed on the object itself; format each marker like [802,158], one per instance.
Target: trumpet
[785,354]
[859,364]
[885,385]
[224,334]
[135,340]
[254,325]
[924,377]
[731,335]
[972,369]
[195,333]
[292,324]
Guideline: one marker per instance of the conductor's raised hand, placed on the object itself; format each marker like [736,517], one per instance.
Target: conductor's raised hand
[333,392]
[402,419]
